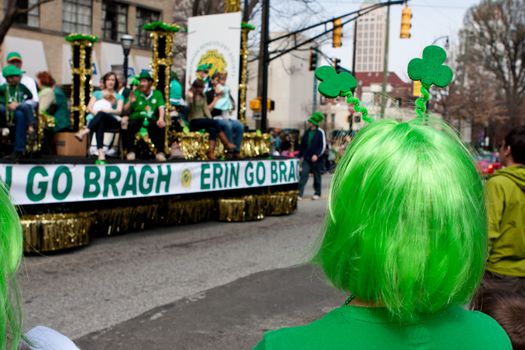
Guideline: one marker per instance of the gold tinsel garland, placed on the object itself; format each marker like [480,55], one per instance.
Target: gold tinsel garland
[243,86]
[51,232]
[194,145]
[82,72]
[163,63]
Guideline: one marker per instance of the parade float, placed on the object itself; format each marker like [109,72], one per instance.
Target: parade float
[67,201]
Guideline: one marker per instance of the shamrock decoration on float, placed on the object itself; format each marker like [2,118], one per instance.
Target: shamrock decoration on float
[334,84]
[430,70]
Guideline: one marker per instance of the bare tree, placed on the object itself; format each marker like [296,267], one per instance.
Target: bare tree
[11,12]
[494,41]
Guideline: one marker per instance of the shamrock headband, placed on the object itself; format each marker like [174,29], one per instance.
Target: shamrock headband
[430,70]
[335,84]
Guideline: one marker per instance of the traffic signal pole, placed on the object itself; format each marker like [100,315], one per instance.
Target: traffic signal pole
[263,64]
[385,64]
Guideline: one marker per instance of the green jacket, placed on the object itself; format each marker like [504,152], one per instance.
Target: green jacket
[18,93]
[146,106]
[506,210]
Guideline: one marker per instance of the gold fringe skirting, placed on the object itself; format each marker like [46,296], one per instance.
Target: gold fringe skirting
[58,231]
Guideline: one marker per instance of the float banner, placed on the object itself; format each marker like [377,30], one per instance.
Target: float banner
[60,183]
[215,40]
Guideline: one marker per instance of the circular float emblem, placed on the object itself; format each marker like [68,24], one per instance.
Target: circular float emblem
[216,59]
[186,178]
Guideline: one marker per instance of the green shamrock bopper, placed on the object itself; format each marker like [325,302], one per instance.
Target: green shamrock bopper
[335,84]
[430,70]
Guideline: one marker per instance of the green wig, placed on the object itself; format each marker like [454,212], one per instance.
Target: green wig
[406,224]
[10,254]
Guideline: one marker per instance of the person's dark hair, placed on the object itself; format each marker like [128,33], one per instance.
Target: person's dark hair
[215,75]
[45,78]
[106,76]
[508,309]
[197,84]
[516,140]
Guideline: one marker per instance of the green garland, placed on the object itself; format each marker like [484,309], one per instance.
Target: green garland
[81,37]
[246,25]
[161,26]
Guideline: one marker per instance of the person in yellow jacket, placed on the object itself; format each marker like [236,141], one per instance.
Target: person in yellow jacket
[505,192]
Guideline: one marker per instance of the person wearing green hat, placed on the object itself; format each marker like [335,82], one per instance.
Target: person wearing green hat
[15,108]
[15,58]
[202,74]
[146,109]
[312,148]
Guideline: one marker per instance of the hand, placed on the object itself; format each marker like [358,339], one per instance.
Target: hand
[12,106]
[189,94]
[30,130]
[161,123]
[132,98]
[314,158]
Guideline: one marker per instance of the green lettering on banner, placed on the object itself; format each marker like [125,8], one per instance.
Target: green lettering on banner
[91,181]
[292,174]
[226,173]
[42,186]
[261,173]
[217,174]
[146,189]
[248,174]
[111,179]
[204,176]
[8,177]
[166,178]
[282,171]
[61,170]
[130,184]
[234,174]
[273,172]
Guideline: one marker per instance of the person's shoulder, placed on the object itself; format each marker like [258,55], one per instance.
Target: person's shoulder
[481,329]
[158,95]
[98,94]
[119,96]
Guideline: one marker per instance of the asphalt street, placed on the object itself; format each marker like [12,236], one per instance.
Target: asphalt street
[193,285]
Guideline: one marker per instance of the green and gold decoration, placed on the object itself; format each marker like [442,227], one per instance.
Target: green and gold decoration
[53,231]
[243,85]
[82,72]
[194,145]
[162,59]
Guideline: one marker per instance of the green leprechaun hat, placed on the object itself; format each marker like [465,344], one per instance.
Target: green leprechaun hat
[316,118]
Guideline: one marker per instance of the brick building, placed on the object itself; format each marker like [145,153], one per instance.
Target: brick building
[39,34]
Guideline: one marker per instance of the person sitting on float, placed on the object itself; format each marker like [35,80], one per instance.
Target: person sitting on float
[16,107]
[103,114]
[146,110]
[200,118]
[221,106]
[405,234]
[15,58]
[53,101]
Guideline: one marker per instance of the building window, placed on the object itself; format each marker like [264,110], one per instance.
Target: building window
[76,16]
[31,18]
[114,20]
[144,16]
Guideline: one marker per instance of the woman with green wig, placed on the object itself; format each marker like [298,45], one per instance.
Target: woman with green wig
[405,235]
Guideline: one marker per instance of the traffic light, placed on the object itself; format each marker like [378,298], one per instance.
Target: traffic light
[337,33]
[337,66]
[406,16]
[313,60]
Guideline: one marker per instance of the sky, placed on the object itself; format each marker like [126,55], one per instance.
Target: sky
[431,19]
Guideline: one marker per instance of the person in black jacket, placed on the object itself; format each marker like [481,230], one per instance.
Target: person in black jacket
[311,150]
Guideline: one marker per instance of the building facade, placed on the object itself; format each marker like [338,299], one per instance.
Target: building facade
[39,34]
[370,42]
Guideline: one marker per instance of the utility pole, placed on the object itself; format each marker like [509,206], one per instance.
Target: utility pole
[262,89]
[385,63]
[355,47]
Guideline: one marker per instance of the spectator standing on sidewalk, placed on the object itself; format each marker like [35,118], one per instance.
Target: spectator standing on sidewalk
[505,192]
[312,148]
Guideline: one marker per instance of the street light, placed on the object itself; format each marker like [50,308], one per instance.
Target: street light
[126,41]
[447,43]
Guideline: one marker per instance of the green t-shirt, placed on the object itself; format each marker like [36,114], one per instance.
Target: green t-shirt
[359,328]
[18,93]
[147,104]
